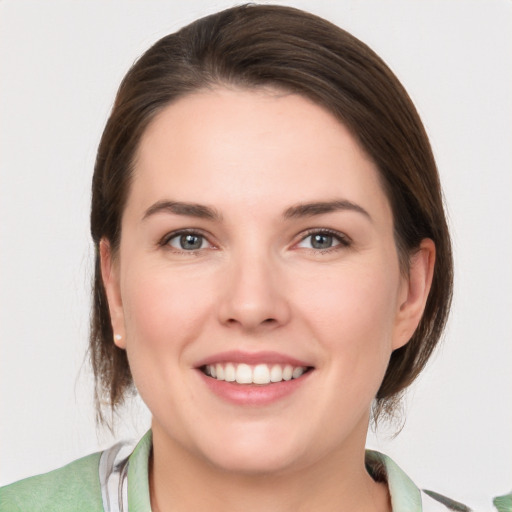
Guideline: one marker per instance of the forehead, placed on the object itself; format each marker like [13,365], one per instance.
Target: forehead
[252,145]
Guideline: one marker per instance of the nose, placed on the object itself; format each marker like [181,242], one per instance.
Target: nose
[254,295]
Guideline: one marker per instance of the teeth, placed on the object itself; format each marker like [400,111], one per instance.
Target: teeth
[287,372]
[297,372]
[230,373]
[258,374]
[261,374]
[276,373]
[244,374]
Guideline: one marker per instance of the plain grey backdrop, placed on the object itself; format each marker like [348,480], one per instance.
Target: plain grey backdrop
[60,65]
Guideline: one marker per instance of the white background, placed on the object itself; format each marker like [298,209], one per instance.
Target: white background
[60,65]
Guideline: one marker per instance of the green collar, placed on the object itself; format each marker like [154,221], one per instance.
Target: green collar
[405,496]
[138,476]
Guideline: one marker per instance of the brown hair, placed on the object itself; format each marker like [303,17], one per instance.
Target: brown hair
[256,46]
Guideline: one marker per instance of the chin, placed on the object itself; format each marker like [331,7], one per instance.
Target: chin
[253,464]
[252,454]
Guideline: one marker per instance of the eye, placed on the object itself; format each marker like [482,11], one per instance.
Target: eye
[187,241]
[323,240]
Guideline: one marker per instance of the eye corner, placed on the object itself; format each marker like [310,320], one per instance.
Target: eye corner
[326,240]
[187,241]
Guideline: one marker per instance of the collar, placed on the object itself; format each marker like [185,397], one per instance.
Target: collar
[138,475]
[405,496]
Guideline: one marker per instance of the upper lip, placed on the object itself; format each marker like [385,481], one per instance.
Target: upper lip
[251,358]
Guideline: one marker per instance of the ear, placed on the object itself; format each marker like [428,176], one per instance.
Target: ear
[414,292]
[110,276]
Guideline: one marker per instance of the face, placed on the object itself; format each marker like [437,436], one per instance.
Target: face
[257,287]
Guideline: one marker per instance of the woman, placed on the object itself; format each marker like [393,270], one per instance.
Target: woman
[272,257]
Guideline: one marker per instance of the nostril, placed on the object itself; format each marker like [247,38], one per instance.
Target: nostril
[266,321]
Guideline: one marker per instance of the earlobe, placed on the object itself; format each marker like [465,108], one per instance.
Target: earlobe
[415,293]
[110,276]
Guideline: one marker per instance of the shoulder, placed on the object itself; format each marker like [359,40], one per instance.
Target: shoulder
[407,497]
[73,487]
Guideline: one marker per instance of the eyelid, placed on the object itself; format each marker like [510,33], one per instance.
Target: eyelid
[164,241]
[342,238]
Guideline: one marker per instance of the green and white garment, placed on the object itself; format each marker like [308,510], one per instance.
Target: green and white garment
[116,480]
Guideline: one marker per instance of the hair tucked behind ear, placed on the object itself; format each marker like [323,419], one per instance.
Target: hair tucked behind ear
[256,46]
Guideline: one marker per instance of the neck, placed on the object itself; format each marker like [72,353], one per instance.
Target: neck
[180,481]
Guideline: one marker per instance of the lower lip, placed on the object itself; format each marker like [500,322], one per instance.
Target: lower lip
[254,394]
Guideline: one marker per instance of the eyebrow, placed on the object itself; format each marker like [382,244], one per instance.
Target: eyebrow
[180,208]
[299,210]
[319,208]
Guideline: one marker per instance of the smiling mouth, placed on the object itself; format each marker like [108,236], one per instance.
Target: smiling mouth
[254,374]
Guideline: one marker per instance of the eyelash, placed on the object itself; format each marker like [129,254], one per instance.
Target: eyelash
[343,240]
[164,242]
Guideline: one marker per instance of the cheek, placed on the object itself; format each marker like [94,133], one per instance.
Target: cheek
[162,313]
[353,312]
[163,317]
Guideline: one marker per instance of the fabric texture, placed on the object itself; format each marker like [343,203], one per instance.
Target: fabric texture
[75,487]
[116,480]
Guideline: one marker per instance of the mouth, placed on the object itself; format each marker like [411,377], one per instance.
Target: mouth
[259,374]
[253,379]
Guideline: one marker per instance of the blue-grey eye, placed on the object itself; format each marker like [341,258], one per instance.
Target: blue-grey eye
[320,241]
[188,242]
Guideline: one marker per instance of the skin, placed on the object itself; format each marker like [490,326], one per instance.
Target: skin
[257,283]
